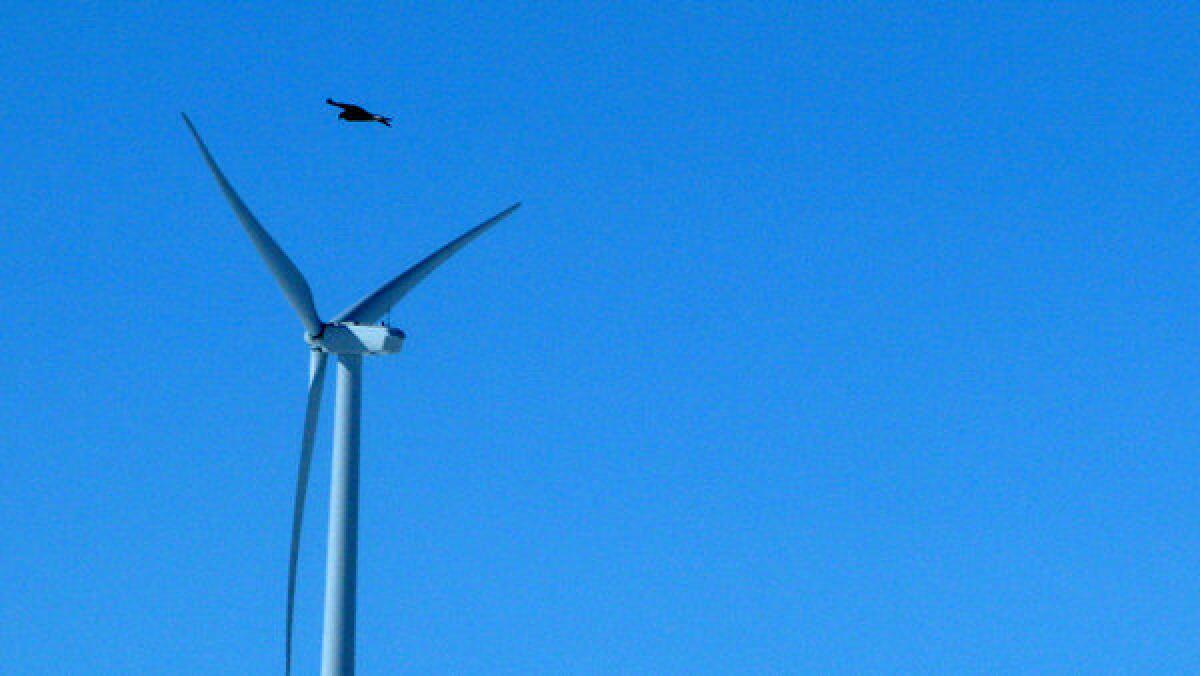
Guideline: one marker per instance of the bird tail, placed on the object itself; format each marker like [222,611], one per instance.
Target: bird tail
[387,121]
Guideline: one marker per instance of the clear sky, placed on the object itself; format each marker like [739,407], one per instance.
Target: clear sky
[856,339]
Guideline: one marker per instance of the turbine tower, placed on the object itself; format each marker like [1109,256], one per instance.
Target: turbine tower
[349,336]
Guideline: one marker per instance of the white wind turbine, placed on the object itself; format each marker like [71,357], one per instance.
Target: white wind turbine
[350,335]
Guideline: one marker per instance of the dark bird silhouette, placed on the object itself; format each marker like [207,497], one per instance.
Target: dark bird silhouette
[353,113]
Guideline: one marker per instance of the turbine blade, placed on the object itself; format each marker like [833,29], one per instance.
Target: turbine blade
[285,271]
[376,304]
[316,384]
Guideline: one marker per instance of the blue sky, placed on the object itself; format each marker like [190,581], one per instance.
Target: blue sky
[853,339]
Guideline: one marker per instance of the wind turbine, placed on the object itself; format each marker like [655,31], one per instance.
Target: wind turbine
[349,336]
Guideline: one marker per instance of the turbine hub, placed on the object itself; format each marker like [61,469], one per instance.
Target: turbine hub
[350,338]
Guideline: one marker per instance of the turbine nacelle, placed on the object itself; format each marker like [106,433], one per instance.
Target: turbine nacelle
[352,338]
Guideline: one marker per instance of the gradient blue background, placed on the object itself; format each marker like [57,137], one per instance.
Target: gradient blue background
[841,340]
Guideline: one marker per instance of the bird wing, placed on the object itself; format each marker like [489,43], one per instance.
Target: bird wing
[348,107]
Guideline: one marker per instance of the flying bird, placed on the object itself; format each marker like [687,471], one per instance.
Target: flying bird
[353,113]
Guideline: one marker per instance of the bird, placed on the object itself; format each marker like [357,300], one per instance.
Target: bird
[353,113]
